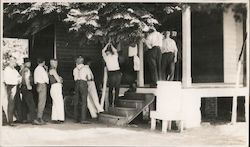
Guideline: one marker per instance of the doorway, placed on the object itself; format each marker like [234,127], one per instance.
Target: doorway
[42,45]
[207,47]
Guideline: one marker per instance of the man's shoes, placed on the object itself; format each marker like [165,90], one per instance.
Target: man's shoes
[60,121]
[11,125]
[25,121]
[17,121]
[57,121]
[41,121]
[85,122]
[153,85]
[36,122]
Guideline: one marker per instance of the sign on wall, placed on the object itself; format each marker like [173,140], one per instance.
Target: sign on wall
[14,47]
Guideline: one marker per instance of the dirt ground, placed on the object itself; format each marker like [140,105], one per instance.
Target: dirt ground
[98,134]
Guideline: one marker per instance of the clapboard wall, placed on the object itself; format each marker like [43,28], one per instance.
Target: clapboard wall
[67,48]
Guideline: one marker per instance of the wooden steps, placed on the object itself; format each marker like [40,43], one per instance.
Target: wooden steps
[130,103]
[126,109]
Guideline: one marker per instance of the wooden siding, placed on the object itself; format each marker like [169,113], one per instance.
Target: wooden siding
[67,48]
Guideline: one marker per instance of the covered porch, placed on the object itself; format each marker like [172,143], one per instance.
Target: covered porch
[193,91]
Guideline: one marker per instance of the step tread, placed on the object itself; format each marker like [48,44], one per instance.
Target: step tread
[112,115]
[131,100]
[124,108]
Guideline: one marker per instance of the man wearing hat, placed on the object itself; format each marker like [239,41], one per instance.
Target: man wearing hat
[26,89]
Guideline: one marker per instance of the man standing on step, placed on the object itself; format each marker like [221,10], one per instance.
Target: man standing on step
[110,56]
[154,44]
[169,57]
[80,73]
[41,80]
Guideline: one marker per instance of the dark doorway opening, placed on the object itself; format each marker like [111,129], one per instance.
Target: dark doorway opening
[42,45]
[207,47]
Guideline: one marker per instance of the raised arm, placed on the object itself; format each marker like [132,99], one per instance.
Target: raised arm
[104,49]
[114,50]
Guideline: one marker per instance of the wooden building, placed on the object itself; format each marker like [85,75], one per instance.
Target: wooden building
[210,48]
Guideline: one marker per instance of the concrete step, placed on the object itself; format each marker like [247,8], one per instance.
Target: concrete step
[130,103]
[134,96]
[107,118]
[146,90]
[122,111]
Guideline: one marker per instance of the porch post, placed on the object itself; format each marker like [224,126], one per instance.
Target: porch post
[247,65]
[55,41]
[140,75]
[186,47]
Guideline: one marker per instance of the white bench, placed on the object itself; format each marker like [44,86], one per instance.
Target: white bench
[168,105]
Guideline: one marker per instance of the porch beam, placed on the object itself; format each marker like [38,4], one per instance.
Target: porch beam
[186,47]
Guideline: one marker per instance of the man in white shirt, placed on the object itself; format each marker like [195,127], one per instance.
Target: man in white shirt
[110,56]
[169,57]
[11,78]
[80,74]
[41,80]
[154,44]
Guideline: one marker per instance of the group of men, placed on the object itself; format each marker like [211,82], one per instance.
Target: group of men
[161,55]
[23,81]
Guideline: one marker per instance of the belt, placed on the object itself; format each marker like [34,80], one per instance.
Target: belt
[168,52]
[80,80]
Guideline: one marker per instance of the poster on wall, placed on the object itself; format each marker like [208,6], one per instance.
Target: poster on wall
[14,47]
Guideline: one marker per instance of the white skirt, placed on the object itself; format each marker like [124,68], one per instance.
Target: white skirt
[57,102]
[93,100]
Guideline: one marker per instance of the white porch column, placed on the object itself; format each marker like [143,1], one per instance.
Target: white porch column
[140,75]
[247,65]
[186,47]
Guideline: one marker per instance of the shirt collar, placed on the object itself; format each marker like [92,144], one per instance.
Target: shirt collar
[80,66]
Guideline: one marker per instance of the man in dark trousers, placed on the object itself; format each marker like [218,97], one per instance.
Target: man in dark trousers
[81,89]
[154,43]
[26,89]
[169,57]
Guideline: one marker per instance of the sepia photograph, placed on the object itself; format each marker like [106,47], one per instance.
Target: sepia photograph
[124,73]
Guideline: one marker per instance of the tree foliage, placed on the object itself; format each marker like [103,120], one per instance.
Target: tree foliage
[101,21]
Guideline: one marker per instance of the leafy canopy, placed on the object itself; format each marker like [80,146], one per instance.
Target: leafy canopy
[101,21]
